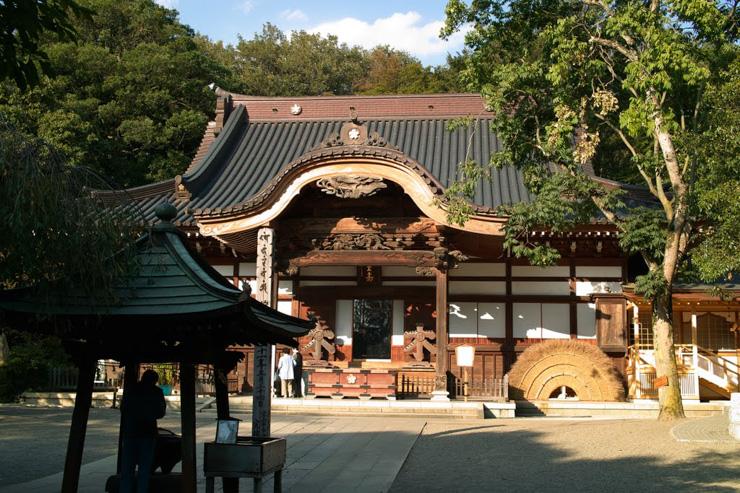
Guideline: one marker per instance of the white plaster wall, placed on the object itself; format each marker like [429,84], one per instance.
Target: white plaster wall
[585,288]
[343,321]
[477,287]
[526,320]
[470,319]
[541,320]
[586,320]
[479,270]
[492,320]
[248,269]
[546,288]
[399,271]
[598,271]
[462,319]
[328,283]
[398,319]
[285,306]
[531,271]
[555,321]
[329,270]
[285,287]
[225,270]
[410,283]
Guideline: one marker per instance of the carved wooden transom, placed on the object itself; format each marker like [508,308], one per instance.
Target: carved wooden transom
[350,187]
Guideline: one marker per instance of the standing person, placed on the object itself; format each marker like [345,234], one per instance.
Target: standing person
[298,373]
[141,407]
[286,373]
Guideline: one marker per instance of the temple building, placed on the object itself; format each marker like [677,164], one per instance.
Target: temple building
[334,206]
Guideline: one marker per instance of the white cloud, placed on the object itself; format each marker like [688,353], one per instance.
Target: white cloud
[246,6]
[168,4]
[403,31]
[295,15]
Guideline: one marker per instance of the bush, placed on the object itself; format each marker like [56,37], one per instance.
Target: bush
[31,356]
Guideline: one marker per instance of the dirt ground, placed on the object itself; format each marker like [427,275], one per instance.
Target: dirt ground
[545,454]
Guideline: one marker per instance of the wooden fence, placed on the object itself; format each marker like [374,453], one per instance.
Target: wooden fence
[412,386]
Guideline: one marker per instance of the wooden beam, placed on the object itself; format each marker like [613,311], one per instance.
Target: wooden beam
[78,428]
[440,377]
[130,377]
[230,485]
[263,366]
[187,420]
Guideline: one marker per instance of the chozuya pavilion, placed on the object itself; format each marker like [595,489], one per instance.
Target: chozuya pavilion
[331,205]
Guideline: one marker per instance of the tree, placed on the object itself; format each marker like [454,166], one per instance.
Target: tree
[396,72]
[571,81]
[22,25]
[273,64]
[128,99]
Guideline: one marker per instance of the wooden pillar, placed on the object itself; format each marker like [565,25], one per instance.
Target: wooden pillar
[130,377]
[230,485]
[187,420]
[440,392]
[78,428]
[267,294]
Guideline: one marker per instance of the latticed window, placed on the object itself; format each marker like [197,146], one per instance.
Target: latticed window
[645,335]
[714,332]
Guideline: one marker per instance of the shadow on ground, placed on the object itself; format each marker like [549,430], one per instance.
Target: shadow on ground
[531,460]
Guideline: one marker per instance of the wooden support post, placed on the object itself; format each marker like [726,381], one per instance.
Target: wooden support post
[230,485]
[78,428]
[187,419]
[130,377]
[267,294]
[440,392]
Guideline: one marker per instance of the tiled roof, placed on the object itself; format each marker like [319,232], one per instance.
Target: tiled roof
[256,143]
[169,281]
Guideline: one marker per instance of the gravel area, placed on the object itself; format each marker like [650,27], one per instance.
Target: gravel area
[547,454]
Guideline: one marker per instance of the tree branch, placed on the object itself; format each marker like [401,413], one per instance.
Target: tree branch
[631,55]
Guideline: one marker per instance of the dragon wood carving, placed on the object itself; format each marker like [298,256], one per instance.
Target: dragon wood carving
[348,241]
[350,187]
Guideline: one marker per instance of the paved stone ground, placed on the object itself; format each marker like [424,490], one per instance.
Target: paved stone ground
[564,455]
[704,430]
[325,453]
[365,454]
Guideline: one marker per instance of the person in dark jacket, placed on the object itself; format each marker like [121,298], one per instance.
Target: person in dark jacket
[141,407]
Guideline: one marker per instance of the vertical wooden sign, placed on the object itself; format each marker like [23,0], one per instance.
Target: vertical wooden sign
[266,289]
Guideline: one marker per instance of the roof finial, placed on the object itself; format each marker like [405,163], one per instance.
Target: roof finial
[353,115]
[165,212]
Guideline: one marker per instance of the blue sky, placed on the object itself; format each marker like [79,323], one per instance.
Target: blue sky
[412,26]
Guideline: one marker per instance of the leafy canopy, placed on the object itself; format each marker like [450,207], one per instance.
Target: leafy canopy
[628,89]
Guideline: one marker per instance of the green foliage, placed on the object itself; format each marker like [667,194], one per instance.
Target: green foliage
[631,89]
[128,99]
[31,356]
[54,229]
[23,23]
[716,150]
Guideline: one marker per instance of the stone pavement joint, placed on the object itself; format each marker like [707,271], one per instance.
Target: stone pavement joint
[703,430]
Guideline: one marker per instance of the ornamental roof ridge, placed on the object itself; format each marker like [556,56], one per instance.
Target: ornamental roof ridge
[300,108]
[316,155]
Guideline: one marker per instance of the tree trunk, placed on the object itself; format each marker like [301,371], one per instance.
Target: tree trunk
[671,406]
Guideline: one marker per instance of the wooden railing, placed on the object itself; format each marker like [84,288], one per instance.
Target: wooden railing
[694,362]
[490,388]
[108,376]
[412,386]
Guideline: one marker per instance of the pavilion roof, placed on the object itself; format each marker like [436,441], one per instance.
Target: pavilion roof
[169,289]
